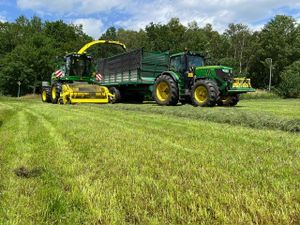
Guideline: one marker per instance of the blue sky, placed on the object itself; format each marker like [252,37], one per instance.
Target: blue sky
[97,15]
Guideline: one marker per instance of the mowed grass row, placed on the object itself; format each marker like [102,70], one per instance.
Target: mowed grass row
[274,114]
[83,164]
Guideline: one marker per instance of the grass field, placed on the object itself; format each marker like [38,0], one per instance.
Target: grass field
[145,164]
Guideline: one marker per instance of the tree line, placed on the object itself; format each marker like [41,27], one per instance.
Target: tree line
[31,49]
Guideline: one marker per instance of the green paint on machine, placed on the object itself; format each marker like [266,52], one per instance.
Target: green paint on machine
[138,73]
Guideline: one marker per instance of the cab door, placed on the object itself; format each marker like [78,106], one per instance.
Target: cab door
[178,64]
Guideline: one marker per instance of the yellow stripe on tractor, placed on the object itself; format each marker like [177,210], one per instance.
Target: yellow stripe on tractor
[84,93]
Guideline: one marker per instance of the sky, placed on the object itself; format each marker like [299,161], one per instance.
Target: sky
[98,15]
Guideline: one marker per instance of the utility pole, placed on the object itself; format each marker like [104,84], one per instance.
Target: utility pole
[19,88]
[269,60]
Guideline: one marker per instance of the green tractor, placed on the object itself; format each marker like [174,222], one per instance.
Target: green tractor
[189,81]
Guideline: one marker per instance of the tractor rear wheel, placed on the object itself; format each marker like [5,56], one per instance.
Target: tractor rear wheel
[231,100]
[115,91]
[205,93]
[46,94]
[165,91]
[55,92]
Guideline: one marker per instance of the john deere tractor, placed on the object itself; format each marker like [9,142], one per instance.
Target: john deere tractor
[75,81]
[188,80]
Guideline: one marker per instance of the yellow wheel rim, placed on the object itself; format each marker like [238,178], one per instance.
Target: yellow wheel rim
[201,94]
[44,95]
[53,92]
[163,91]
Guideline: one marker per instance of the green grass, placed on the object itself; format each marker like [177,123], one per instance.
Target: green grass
[259,94]
[116,164]
[263,114]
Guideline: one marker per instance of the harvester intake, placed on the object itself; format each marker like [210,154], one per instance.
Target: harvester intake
[84,93]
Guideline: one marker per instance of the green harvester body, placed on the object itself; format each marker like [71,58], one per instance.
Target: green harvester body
[76,68]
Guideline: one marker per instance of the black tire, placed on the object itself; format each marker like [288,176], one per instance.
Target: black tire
[117,93]
[46,94]
[228,100]
[211,93]
[58,88]
[172,95]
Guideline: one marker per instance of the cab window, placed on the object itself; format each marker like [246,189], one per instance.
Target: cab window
[195,61]
[81,66]
[67,64]
[177,63]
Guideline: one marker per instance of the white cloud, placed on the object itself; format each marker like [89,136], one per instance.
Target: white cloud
[55,6]
[92,27]
[3,17]
[139,13]
[217,12]
[79,7]
[94,6]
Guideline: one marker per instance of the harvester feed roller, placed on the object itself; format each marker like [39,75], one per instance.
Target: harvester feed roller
[84,93]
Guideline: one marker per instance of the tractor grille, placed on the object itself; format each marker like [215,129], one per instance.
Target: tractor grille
[224,76]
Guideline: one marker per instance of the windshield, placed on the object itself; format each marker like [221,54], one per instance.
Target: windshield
[195,61]
[81,67]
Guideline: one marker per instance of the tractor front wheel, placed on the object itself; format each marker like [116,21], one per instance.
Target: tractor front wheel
[231,100]
[205,93]
[55,92]
[165,91]
[46,94]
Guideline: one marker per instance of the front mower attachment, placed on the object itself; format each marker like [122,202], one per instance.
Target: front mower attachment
[84,93]
[241,85]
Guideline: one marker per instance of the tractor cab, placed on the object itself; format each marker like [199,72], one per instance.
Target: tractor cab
[186,61]
[78,65]
[184,64]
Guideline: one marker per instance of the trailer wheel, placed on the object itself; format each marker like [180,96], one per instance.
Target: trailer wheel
[46,94]
[115,91]
[205,93]
[55,92]
[165,91]
[228,100]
